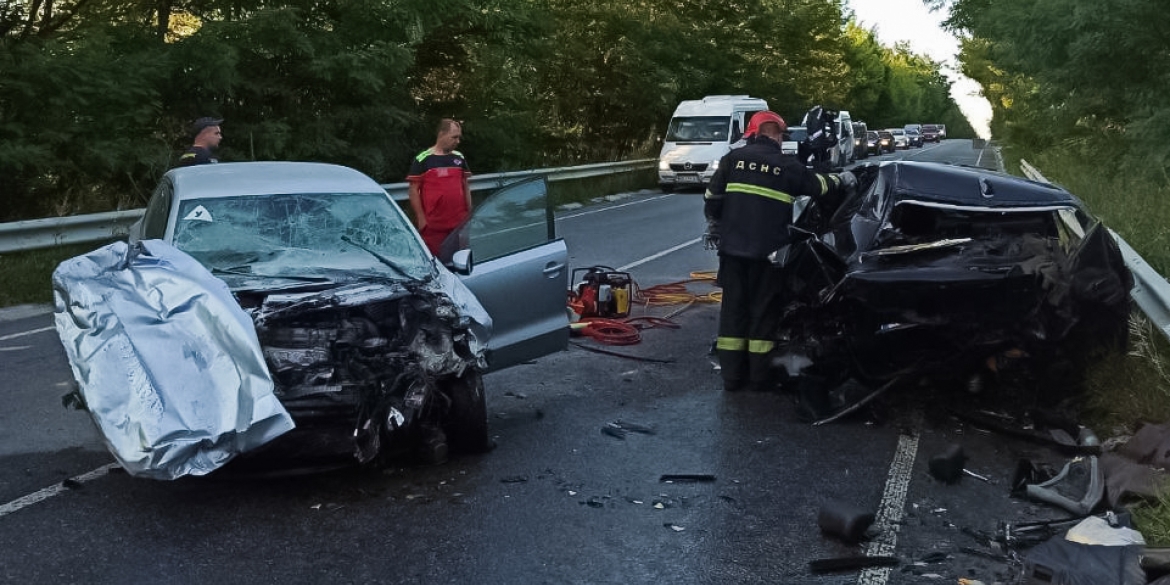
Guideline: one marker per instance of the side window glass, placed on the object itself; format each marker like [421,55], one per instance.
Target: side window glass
[513,219]
[154,220]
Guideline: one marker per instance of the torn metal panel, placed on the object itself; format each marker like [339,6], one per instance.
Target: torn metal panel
[935,269]
[170,367]
[369,361]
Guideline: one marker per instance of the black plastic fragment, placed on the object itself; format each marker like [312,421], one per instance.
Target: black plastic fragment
[844,521]
[850,564]
[614,431]
[947,466]
[686,477]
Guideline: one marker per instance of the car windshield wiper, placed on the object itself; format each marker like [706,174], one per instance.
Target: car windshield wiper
[236,271]
[383,259]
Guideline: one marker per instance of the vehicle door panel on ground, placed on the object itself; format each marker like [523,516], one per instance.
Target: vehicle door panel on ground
[520,273]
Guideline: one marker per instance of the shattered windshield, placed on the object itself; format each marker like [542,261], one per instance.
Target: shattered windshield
[338,236]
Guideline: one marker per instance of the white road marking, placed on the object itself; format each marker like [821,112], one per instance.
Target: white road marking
[891,510]
[23,333]
[51,491]
[612,207]
[659,255]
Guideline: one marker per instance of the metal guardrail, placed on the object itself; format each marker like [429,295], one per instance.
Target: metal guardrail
[54,231]
[1150,290]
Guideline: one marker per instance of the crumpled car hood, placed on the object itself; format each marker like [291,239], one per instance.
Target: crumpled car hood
[181,376]
[168,364]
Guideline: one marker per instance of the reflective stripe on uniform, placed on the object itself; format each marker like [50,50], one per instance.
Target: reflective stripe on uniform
[741,344]
[824,185]
[761,191]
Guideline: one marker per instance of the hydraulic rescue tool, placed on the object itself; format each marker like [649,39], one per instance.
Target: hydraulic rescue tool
[600,291]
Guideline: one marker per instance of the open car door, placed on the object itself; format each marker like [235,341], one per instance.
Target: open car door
[520,272]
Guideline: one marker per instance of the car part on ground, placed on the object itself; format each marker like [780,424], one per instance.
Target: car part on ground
[947,272]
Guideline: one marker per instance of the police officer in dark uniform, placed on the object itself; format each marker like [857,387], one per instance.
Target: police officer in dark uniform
[205,138]
[748,206]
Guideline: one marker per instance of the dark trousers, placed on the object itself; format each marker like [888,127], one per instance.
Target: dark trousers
[753,303]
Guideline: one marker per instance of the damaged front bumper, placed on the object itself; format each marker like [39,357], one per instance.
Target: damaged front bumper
[181,375]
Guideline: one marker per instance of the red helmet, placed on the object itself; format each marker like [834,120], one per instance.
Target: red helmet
[761,118]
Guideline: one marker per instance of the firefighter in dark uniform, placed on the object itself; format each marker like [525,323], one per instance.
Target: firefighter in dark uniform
[749,208]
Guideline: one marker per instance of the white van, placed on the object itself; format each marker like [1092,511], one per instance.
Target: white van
[844,152]
[700,133]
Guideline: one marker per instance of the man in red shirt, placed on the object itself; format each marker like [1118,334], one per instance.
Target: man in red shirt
[440,194]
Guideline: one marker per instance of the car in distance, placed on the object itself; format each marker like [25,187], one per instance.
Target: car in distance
[792,139]
[901,140]
[860,141]
[886,141]
[371,345]
[699,134]
[930,133]
[938,272]
[914,137]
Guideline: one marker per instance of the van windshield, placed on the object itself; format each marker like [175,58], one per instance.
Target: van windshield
[699,129]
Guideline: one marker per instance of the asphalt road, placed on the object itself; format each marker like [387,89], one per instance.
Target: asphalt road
[558,501]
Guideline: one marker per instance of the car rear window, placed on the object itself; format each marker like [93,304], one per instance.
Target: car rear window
[916,223]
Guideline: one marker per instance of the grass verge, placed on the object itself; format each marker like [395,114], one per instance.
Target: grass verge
[27,276]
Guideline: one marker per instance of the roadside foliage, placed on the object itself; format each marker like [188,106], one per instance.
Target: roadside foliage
[1079,88]
[95,96]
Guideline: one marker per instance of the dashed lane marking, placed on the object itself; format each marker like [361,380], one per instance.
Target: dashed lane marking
[23,333]
[653,257]
[51,491]
[893,505]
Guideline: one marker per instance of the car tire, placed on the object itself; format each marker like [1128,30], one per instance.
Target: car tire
[466,424]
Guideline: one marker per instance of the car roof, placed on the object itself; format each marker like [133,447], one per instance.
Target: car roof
[262,178]
[969,186]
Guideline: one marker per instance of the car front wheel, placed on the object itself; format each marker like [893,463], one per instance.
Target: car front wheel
[466,422]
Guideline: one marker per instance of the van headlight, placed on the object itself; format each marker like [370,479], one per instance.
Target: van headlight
[714,165]
[663,165]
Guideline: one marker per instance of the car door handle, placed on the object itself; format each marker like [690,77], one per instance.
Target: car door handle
[553,269]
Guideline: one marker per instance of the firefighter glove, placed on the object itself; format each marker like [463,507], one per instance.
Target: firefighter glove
[848,181]
[711,236]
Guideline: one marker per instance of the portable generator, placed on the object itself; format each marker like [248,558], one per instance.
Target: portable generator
[600,291]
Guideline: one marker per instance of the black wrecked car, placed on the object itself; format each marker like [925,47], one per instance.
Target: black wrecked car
[939,271]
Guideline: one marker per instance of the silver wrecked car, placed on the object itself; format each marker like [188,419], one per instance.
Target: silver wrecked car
[371,347]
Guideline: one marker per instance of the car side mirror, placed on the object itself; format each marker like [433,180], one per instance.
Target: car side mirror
[461,262]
